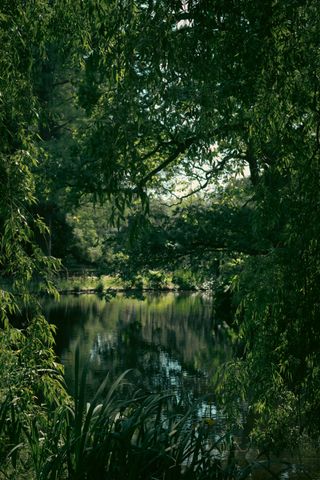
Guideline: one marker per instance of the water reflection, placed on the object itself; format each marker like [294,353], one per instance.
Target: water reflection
[172,339]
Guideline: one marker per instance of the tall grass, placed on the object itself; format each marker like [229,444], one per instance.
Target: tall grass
[142,437]
[121,434]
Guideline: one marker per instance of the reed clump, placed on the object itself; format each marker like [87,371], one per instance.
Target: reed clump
[122,433]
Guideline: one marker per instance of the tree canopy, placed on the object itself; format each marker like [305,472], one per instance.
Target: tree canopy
[126,100]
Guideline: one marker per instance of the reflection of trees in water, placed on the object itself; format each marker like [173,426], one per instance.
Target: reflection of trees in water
[155,370]
[171,339]
[158,370]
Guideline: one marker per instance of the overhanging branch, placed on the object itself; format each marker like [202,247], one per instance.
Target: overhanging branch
[209,174]
[181,148]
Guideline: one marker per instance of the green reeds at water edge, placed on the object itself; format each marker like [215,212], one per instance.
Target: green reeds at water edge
[148,436]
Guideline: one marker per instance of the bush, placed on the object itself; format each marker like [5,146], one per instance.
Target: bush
[100,287]
[156,279]
[138,282]
[184,280]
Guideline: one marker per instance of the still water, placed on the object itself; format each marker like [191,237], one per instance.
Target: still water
[170,340]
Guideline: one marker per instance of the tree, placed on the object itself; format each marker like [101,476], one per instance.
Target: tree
[202,90]
[171,90]
[29,375]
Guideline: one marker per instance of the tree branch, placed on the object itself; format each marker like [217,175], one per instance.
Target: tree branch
[209,174]
[181,148]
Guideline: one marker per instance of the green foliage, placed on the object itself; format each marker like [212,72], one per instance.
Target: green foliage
[156,279]
[29,375]
[30,382]
[202,94]
[138,282]
[161,93]
[148,436]
[277,308]
[184,279]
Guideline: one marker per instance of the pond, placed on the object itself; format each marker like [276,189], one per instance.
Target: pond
[172,341]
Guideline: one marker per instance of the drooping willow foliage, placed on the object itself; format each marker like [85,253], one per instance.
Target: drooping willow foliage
[119,99]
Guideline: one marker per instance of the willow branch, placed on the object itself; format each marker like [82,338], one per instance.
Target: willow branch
[181,148]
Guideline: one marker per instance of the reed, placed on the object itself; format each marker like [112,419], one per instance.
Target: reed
[122,434]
